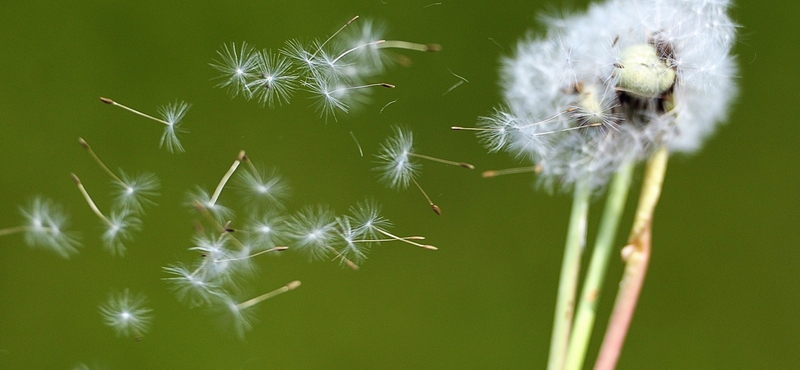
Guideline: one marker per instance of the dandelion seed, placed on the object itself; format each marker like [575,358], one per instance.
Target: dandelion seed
[192,286]
[332,97]
[132,192]
[126,313]
[397,169]
[371,227]
[273,82]
[119,227]
[267,231]
[209,202]
[312,229]
[240,316]
[46,227]
[262,186]
[238,67]
[171,114]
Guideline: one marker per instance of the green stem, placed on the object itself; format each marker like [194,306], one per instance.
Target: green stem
[568,283]
[595,276]
[637,257]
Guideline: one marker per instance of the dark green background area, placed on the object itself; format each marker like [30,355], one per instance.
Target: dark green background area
[723,288]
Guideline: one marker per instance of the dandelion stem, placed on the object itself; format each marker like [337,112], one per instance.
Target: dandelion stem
[254,301]
[595,275]
[434,159]
[225,178]
[568,283]
[86,146]
[109,101]
[89,200]
[637,256]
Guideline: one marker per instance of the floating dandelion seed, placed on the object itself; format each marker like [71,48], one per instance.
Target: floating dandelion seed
[396,165]
[119,226]
[171,117]
[126,314]
[238,66]
[46,227]
[133,192]
[239,315]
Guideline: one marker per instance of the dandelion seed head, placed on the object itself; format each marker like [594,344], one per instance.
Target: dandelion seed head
[614,84]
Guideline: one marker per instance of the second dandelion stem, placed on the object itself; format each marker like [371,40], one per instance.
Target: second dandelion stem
[637,256]
[568,283]
[595,276]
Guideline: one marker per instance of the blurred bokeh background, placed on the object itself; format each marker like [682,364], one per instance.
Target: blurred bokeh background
[722,292]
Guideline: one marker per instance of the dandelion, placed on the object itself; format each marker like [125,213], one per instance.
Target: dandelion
[133,192]
[119,226]
[239,315]
[126,314]
[396,165]
[46,227]
[626,82]
[171,117]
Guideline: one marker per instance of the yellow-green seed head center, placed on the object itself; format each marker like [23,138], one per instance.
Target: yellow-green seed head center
[643,73]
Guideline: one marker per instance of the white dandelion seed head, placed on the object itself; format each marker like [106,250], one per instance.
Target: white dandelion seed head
[613,84]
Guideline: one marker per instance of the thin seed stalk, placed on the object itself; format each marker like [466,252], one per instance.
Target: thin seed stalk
[568,283]
[13,230]
[254,301]
[595,276]
[637,257]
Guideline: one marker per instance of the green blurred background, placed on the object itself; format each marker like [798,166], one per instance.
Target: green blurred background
[723,288]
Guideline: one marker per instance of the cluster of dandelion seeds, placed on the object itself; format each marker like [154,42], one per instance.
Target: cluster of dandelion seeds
[612,85]
[132,195]
[339,72]
[229,249]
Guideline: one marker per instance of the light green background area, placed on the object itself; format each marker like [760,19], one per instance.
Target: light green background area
[722,291]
